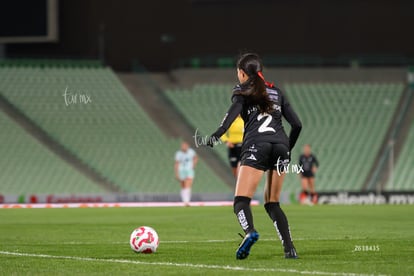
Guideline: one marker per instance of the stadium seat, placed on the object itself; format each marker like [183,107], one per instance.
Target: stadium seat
[112,133]
[29,167]
[404,173]
[344,122]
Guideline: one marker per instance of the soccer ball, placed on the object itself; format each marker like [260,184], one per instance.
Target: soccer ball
[144,239]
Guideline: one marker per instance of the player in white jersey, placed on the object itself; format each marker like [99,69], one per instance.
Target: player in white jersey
[185,163]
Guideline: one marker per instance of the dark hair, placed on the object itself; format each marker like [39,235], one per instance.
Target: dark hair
[255,87]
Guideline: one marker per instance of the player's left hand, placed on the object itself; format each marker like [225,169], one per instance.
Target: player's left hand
[212,140]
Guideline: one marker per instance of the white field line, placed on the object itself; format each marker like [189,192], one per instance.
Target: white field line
[203,241]
[188,265]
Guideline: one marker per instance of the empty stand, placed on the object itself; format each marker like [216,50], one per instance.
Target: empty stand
[100,123]
[404,173]
[344,122]
[28,167]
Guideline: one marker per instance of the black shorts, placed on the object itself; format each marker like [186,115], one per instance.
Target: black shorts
[234,155]
[265,156]
[307,174]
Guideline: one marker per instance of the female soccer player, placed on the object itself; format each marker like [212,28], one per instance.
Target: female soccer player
[185,162]
[265,146]
[310,165]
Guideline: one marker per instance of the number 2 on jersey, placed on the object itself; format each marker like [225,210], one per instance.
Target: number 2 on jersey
[264,127]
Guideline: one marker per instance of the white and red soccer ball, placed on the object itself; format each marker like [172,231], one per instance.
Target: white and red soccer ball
[144,239]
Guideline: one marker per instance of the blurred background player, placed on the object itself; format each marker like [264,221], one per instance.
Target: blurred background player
[309,165]
[185,163]
[233,139]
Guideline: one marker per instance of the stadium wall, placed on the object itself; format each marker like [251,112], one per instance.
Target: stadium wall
[186,78]
[107,198]
[330,198]
[159,33]
[352,198]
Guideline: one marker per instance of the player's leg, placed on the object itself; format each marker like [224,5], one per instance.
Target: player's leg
[188,184]
[313,194]
[304,183]
[237,154]
[234,171]
[184,183]
[188,187]
[305,187]
[237,168]
[181,180]
[311,184]
[247,182]
[272,192]
[254,161]
[273,188]
[182,192]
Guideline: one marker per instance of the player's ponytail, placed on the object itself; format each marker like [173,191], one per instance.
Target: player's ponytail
[255,87]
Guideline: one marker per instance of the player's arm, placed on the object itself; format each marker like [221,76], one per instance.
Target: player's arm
[176,170]
[315,164]
[293,120]
[228,119]
[195,160]
[176,165]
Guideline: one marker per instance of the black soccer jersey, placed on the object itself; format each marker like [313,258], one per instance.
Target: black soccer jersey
[262,127]
[307,163]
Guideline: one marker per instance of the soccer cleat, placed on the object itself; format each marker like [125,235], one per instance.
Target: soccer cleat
[291,254]
[244,248]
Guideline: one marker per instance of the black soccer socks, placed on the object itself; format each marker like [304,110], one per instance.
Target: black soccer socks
[281,224]
[243,212]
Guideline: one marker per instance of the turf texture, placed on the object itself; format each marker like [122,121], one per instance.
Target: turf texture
[330,240]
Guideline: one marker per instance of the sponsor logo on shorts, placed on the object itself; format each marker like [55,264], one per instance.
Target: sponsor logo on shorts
[252,148]
[252,157]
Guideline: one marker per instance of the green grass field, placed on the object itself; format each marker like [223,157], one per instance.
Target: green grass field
[330,240]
